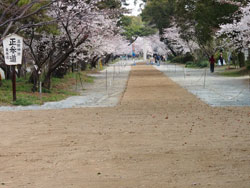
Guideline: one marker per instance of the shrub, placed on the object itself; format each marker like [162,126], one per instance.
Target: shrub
[177,59]
[170,57]
[200,64]
[190,64]
[188,57]
[183,58]
[203,64]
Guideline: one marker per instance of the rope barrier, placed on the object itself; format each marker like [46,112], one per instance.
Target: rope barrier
[199,79]
[224,96]
[187,72]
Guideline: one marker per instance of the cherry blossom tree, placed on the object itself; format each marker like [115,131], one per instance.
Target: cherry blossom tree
[110,45]
[237,35]
[14,12]
[74,31]
[17,15]
[150,44]
[103,39]
[81,26]
[53,49]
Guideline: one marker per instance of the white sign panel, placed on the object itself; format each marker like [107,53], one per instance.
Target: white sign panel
[13,49]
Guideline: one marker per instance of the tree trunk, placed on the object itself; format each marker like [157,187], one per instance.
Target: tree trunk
[107,58]
[59,60]
[94,62]
[53,65]
[6,70]
[172,50]
[241,58]
[34,80]
[166,42]
[47,80]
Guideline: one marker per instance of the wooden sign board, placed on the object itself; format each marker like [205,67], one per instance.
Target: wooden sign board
[13,49]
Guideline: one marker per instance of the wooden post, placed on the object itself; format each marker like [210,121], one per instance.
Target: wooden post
[14,82]
[107,79]
[76,80]
[205,75]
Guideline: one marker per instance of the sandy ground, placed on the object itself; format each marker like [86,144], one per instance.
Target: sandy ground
[159,136]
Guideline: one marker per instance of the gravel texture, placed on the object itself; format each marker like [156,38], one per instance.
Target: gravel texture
[106,90]
[213,89]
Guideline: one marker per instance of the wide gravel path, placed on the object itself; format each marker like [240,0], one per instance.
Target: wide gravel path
[159,136]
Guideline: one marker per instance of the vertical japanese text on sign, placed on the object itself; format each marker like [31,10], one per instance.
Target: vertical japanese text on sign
[13,45]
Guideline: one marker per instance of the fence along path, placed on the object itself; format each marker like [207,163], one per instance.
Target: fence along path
[212,89]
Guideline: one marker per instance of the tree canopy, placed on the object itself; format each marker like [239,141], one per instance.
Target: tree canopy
[196,20]
[158,13]
[134,27]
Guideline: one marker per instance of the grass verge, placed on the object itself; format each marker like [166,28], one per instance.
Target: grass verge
[61,88]
[234,72]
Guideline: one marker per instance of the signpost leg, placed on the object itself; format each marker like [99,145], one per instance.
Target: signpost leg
[14,82]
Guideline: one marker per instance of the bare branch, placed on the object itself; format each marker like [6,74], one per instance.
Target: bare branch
[23,16]
[7,9]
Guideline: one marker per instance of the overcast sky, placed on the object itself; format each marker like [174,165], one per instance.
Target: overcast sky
[135,8]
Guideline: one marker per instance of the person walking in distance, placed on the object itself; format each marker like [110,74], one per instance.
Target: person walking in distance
[212,61]
[221,59]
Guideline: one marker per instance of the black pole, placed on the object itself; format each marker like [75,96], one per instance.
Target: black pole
[14,82]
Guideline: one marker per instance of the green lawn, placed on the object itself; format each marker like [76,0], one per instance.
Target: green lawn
[60,89]
[234,72]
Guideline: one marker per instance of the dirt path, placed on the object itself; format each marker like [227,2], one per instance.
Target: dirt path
[160,136]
